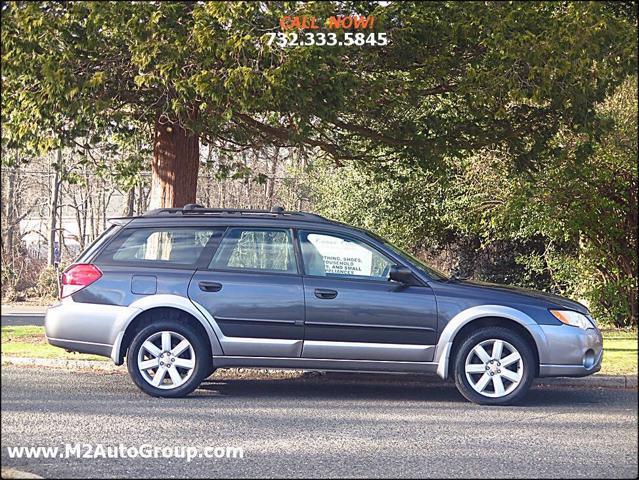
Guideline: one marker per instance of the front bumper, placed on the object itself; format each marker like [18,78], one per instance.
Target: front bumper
[570,351]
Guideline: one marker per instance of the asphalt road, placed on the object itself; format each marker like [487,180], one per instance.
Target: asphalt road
[339,426]
[15,319]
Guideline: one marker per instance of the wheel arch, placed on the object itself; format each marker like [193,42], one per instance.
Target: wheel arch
[167,303]
[486,315]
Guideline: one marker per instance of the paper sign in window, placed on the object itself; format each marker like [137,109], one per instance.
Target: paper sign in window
[342,257]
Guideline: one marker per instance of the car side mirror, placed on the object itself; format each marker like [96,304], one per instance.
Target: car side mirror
[402,274]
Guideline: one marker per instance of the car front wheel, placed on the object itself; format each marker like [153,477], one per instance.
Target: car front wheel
[494,366]
[168,359]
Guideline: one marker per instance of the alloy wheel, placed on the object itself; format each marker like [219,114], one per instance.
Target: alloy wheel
[494,368]
[166,360]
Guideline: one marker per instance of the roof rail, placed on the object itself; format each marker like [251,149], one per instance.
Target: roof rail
[196,209]
[191,206]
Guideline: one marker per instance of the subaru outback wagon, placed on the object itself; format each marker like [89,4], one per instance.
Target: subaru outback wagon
[178,293]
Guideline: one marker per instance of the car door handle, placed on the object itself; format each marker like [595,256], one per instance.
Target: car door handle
[325,293]
[210,286]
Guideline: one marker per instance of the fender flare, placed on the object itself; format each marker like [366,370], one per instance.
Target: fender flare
[168,301]
[447,337]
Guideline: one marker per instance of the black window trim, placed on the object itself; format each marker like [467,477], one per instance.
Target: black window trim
[208,252]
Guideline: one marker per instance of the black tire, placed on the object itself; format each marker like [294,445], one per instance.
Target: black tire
[203,359]
[497,333]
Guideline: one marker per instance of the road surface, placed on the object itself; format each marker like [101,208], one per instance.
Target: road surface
[18,314]
[342,425]
[22,319]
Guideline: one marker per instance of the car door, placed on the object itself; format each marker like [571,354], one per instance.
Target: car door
[254,292]
[353,311]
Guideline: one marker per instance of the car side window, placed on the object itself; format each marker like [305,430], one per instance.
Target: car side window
[269,250]
[332,255]
[181,246]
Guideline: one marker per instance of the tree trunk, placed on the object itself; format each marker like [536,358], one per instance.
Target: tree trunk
[77,210]
[105,205]
[140,205]
[175,165]
[270,182]
[129,206]
[92,214]
[11,215]
[86,237]
[53,209]
[302,167]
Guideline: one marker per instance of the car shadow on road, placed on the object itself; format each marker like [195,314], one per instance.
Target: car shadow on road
[329,389]
[366,387]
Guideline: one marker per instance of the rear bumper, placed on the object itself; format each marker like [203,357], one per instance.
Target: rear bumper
[82,347]
[570,351]
[85,327]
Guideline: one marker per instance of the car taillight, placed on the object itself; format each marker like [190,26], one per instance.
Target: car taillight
[77,277]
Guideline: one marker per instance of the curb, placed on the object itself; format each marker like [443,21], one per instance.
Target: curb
[24,314]
[109,367]
[29,310]
[61,363]
[602,381]
[13,473]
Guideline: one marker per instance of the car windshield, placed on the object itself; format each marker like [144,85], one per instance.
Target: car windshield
[417,263]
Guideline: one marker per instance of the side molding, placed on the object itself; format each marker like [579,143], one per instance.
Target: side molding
[167,301]
[445,343]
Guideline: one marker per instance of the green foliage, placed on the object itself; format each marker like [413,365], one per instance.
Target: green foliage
[569,226]
[478,123]
[455,76]
[422,213]
[585,203]
[401,203]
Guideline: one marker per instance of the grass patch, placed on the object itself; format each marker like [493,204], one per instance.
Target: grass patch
[618,333]
[620,355]
[29,341]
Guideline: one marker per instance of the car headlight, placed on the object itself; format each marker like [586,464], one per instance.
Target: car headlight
[574,319]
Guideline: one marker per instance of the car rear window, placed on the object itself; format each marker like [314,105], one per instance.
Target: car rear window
[181,246]
[96,244]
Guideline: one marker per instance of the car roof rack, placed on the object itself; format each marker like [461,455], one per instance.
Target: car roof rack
[196,209]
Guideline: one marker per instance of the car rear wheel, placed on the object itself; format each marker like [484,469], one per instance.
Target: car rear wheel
[494,366]
[168,359]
